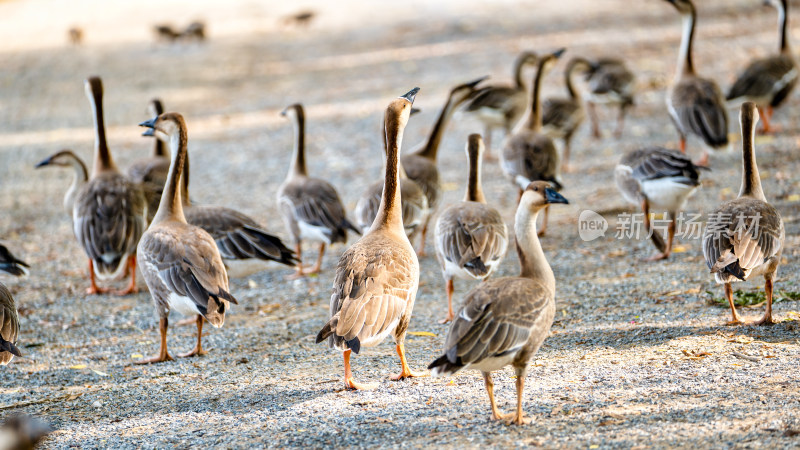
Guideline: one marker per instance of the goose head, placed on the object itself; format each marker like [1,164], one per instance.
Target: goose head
[294,111]
[463,92]
[549,60]
[94,88]
[63,158]
[163,126]
[528,57]
[539,194]
[400,109]
[683,6]
[155,108]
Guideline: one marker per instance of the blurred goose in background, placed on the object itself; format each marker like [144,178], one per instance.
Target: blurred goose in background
[505,320]
[502,106]
[610,83]
[9,320]
[11,264]
[151,172]
[420,163]
[22,432]
[378,276]
[561,117]
[66,158]
[180,262]
[659,180]
[744,237]
[109,210]
[311,207]
[471,237]
[529,155]
[695,104]
[412,198]
[768,81]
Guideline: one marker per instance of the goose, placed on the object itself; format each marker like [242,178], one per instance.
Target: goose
[470,236]
[744,237]
[180,262]
[768,81]
[378,276]
[505,320]
[500,105]
[66,158]
[109,210]
[9,320]
[610,82]
[413,200]
[420,163]
[151,172]
[561,117]
[311,207]
[11,264]
[22,432]
[695,104]
[529,155]
[658,179]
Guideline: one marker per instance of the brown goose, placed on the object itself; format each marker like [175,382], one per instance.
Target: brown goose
[768,81]
[66,158]
[695,104]
[151,172]
[180,262]
[658,179]
[109,210]
[502,106]
[744,237]
[471,237]
[311,207]
[420,163]
[377,278]
[561,117]
[610,82]
[505,320]
[529,155]
[9,320]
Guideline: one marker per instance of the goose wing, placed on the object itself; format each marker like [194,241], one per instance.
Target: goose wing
[652,163]
[699,109]
[764,78]
[471,235]
[317,203]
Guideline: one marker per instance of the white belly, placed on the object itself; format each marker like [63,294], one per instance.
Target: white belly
[666,195]
[310,232]
[377,339]
[492,364]
[183,305]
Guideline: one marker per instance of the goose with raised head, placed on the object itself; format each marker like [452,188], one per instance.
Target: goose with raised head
[471,237]
[413,200]
[11,264]
[660,180]
[505,320]
[529,155]
[66,158]
[109,210]
[610,82]
[420,163]
[151,172]
[768,81]
[695,104]
[562,116]
[744,237]
[378,276]
[311,207]
[500,105]
[180,262]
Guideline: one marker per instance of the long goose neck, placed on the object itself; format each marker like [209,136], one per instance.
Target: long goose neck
[102,157]
[474,187]
[519,64]
[533,263]
[80,177]
[170,207]
[185,201]
[435,138]
[573,93]
[751,180]
[535,117]
[390,212]
[685,63]
[783,22]
[401,172]
[299,155]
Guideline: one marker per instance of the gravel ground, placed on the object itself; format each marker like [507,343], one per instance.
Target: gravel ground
[637,358]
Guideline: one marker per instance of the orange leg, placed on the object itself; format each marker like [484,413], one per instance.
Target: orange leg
[736,319]
[683,144]
[198,346]
[593,118]
[349,383]
[318,265]
[519,418]
[767,319]
[131,289]
[496,414]
[450,315]
[703,161]
[162,353]
[421,251]
[670,237]
[298,271]
[405,371]
[766,119]
[94,289]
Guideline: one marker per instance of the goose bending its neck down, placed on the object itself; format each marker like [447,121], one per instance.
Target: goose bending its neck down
[151,172]
[695,104]
[505,320]
[529,155]
[499,105]
[311,207]
[66,158]
[768,81]
[420,163]
[180,262]
[471,236]
[744,237]
[377,278]
[109,211]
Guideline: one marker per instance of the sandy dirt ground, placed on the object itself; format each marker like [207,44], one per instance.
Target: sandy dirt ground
[638,356]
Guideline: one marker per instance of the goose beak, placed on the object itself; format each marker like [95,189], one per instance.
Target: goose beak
[150,124]
[559,52]
[472,84]
[284,112]
[410,95]
[554,197]
[44,162]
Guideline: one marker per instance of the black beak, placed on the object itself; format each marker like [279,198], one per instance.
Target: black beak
[472,84]
[44,162]
[554,197]
[284,112]
[559,52]
[414,111]
[150,124]
[410,95]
